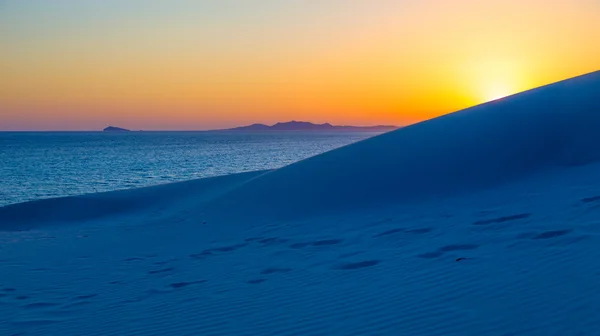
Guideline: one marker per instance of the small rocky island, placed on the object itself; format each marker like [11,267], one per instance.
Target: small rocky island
[115,129]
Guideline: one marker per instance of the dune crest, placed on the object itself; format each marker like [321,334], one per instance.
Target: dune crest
[82,208]
[497,142]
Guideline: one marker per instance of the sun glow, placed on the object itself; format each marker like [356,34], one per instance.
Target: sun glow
[494,77]
[498,91]
[497,96]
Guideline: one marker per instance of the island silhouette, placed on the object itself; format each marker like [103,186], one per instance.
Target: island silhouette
[115,129]
[308,126]
[291,126]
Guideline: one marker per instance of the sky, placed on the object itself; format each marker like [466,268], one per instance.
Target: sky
[205,64]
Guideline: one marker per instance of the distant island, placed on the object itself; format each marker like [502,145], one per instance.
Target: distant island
[308,126]
[292,126]
[115,129]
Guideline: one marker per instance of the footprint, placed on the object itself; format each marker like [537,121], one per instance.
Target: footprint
[551,234]
[273,241]
[158,263]
[162,270]
[217,250]
[227,248]
[76,304]
[349,254]
[9,289]
[502,219]
[394,231]
[272,270]
[22,297]
[147,294]
[458,247]
[590,199]
[256,281]
[299,245]
[33,323]
[448,248]
[253,239]
[388,232]
[430,255]
[84,297]
[327,242]
[40,305]
[357,265]
[177,285]
[379,222]
[201,255]
[419,231]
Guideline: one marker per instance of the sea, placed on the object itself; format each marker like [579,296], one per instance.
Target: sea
[37,165]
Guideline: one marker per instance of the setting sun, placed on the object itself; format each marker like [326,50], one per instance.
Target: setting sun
[498,93]
[208,66]
[493,77]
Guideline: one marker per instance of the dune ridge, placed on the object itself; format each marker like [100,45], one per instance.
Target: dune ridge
[74,209]
[487,145]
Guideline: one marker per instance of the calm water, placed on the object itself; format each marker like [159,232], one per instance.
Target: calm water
[42,165]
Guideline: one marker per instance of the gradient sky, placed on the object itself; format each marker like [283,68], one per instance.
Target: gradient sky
[85,64]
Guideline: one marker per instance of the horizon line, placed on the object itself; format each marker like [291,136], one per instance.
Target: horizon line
[101,130]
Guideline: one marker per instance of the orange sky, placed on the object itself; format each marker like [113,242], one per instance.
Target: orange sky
[67,65]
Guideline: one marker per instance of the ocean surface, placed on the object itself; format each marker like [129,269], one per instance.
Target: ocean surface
[36,165]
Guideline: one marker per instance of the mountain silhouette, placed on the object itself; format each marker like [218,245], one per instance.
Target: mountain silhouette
[308,126]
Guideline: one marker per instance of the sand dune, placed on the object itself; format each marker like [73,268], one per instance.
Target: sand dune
[118,203]
[482,222]
[487,145]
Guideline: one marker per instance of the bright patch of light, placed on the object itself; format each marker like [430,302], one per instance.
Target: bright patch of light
[497,92]
[497,97]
